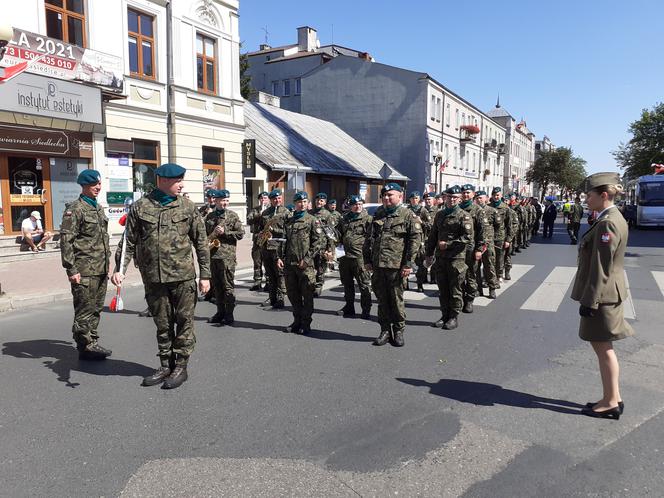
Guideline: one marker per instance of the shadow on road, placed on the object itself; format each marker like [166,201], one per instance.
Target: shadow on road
[65,360]
[481,393]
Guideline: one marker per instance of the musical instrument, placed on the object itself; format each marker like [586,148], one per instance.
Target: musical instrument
[266,233]
[214,243]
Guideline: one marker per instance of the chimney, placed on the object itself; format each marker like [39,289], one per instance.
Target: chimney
[307,39]
[365,56]
[264,46]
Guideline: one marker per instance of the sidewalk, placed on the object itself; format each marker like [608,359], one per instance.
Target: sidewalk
[43,280]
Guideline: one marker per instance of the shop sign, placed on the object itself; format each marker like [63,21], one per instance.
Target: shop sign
[24,198]
[249,158]
[118,197]
[114,213]
[42,141]
[49,97]
[58,59]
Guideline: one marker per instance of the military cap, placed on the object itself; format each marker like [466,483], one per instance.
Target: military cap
[496,190]
[88,177]
[262,194]
[599,179]
[170,170]
[453,190]
[321,195]
[331,201]
[414,193]
[274,193]
[426,195]
[391,186]
[300,195]
[510,194]
[438,196]
[219,194]
[467,187]
[290,207]
[355,199]
[480,192]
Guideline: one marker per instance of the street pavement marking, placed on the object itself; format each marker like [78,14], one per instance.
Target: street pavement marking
[517,272]
[659,278]
[551,292]
[628,305]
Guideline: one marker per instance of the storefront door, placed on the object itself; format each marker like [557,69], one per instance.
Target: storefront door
[25,183]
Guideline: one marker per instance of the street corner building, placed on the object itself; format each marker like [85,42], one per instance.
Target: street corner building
[111,88]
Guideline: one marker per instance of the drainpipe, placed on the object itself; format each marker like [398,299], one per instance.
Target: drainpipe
[170,93]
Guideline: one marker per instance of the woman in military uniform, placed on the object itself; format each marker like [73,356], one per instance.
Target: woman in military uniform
[599,287]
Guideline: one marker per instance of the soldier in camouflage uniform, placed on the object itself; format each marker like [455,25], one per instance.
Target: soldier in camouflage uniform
[474,249]
[574,220]
[502,230]
[426,221]
[85,251]
[271,225]
[167,226]
[492,222]
[353,230]
[389,252]
[225,226]
[513,241]
[253,220]
[517,222]
[450,235]
[335,219]
[304,240]
[320,263]
[431,204]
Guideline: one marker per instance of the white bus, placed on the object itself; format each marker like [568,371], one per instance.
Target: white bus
[647,194]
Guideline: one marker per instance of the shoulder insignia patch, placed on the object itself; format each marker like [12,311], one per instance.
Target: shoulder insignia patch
[606,237]
[468,226]
[418,226]
[68,213]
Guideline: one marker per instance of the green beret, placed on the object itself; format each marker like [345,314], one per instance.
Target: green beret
[301,195]
[600,179]
[170,170]
[355,199]
[453,190]
[331,201]
[391,186]
[290,207]
[219,194]
[480,192]
[262,194]
[426,195]
[321,195]
[275,192]
[88,177]
[414,193]
[468,187]
[496,190]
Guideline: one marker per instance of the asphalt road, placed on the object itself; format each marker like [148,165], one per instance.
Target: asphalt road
[490,409]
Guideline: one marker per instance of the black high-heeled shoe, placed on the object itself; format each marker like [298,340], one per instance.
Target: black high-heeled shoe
[621,405]
[612,413]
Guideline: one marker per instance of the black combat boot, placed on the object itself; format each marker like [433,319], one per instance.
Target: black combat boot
[160,374]
[278,304]
[178,374]
[318,291]
[507,274]
[293,328]
[468,306]
[480,291]
[267,302]
[420,287]
[439,324]
[492,293]
[305,329]
[347,311]
[451,323]
[145,313]
[255,287]
[397,339]
[366,314]
[218,317]
[93,352]
[383,338]
[517,249]
[229,318]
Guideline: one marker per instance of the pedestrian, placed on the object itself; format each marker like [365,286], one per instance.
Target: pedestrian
[33,232]
[354,227]
[474,248]
[549,218]
[304,234]
[253,220]
[425,220]
[224,229]
[320,263]
[574,217]
[502,231]
[389,254]
[450,236]
[599,287]
[492,222]
[169,228]
[271,234]
[84,250]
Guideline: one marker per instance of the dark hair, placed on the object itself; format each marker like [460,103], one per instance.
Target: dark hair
[611,190]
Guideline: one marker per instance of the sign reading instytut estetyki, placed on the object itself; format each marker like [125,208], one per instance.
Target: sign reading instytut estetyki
[65,61]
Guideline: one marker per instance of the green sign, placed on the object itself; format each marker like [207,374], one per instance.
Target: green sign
[118,197]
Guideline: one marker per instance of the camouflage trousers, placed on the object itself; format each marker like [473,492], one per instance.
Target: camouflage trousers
[89,296]
[257,257]
[387,284]
[223,280]
[499,257]
[351,270]
[300,286]
[320,265]
[523,235]
[172,306]
[508,256]
[450,277]
[486,269]
[422,271]
[470,284]
[275,276]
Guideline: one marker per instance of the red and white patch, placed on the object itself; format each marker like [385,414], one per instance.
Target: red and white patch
[606,237]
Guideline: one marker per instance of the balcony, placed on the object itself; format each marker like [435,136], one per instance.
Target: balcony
[491,145]
[468,133]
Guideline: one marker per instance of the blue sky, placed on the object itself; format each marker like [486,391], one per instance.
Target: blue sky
[578,72]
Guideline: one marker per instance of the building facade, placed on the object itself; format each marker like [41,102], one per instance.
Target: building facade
[170,91]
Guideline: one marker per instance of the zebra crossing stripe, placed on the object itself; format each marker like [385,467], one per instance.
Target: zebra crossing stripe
[516,273]
[628,304]
[551,292]
[659,278]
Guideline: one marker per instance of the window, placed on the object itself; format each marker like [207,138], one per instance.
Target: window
[439,110]
[446,157]
[455,159]
[206,64]
[213,168]
[286,88]
[432,109]
[298,86]
[65,20]
[141,43]
[447,116]
[456,118]
[275,88]
[146,160]
[474,162]
[463,118]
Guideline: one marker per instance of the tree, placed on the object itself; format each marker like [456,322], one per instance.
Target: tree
[246,89]
[646,145]
[557,167]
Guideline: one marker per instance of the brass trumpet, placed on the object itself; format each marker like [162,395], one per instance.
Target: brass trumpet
[214,243]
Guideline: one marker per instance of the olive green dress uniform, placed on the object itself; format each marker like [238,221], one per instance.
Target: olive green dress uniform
[476,244]
[304,241]
[426,221]
[323,215]
[353,229]
[394,242]
[454,226]
[600,279]
[224,258]
[270,252]
[161,237]
[84,249]
[253,220]
[492,222]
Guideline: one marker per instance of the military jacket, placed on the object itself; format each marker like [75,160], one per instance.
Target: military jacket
[425,218]
[335,219]
[353,233]
[478,242]
[515,220]
[575,213]
[456,229]
[394,240]
[253,220]
[503,223]
[324,216]
[432,210]
[233,231]
[275,226]
[84,245]
[491,222]
[533,213]
[161,237]
[304,237]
